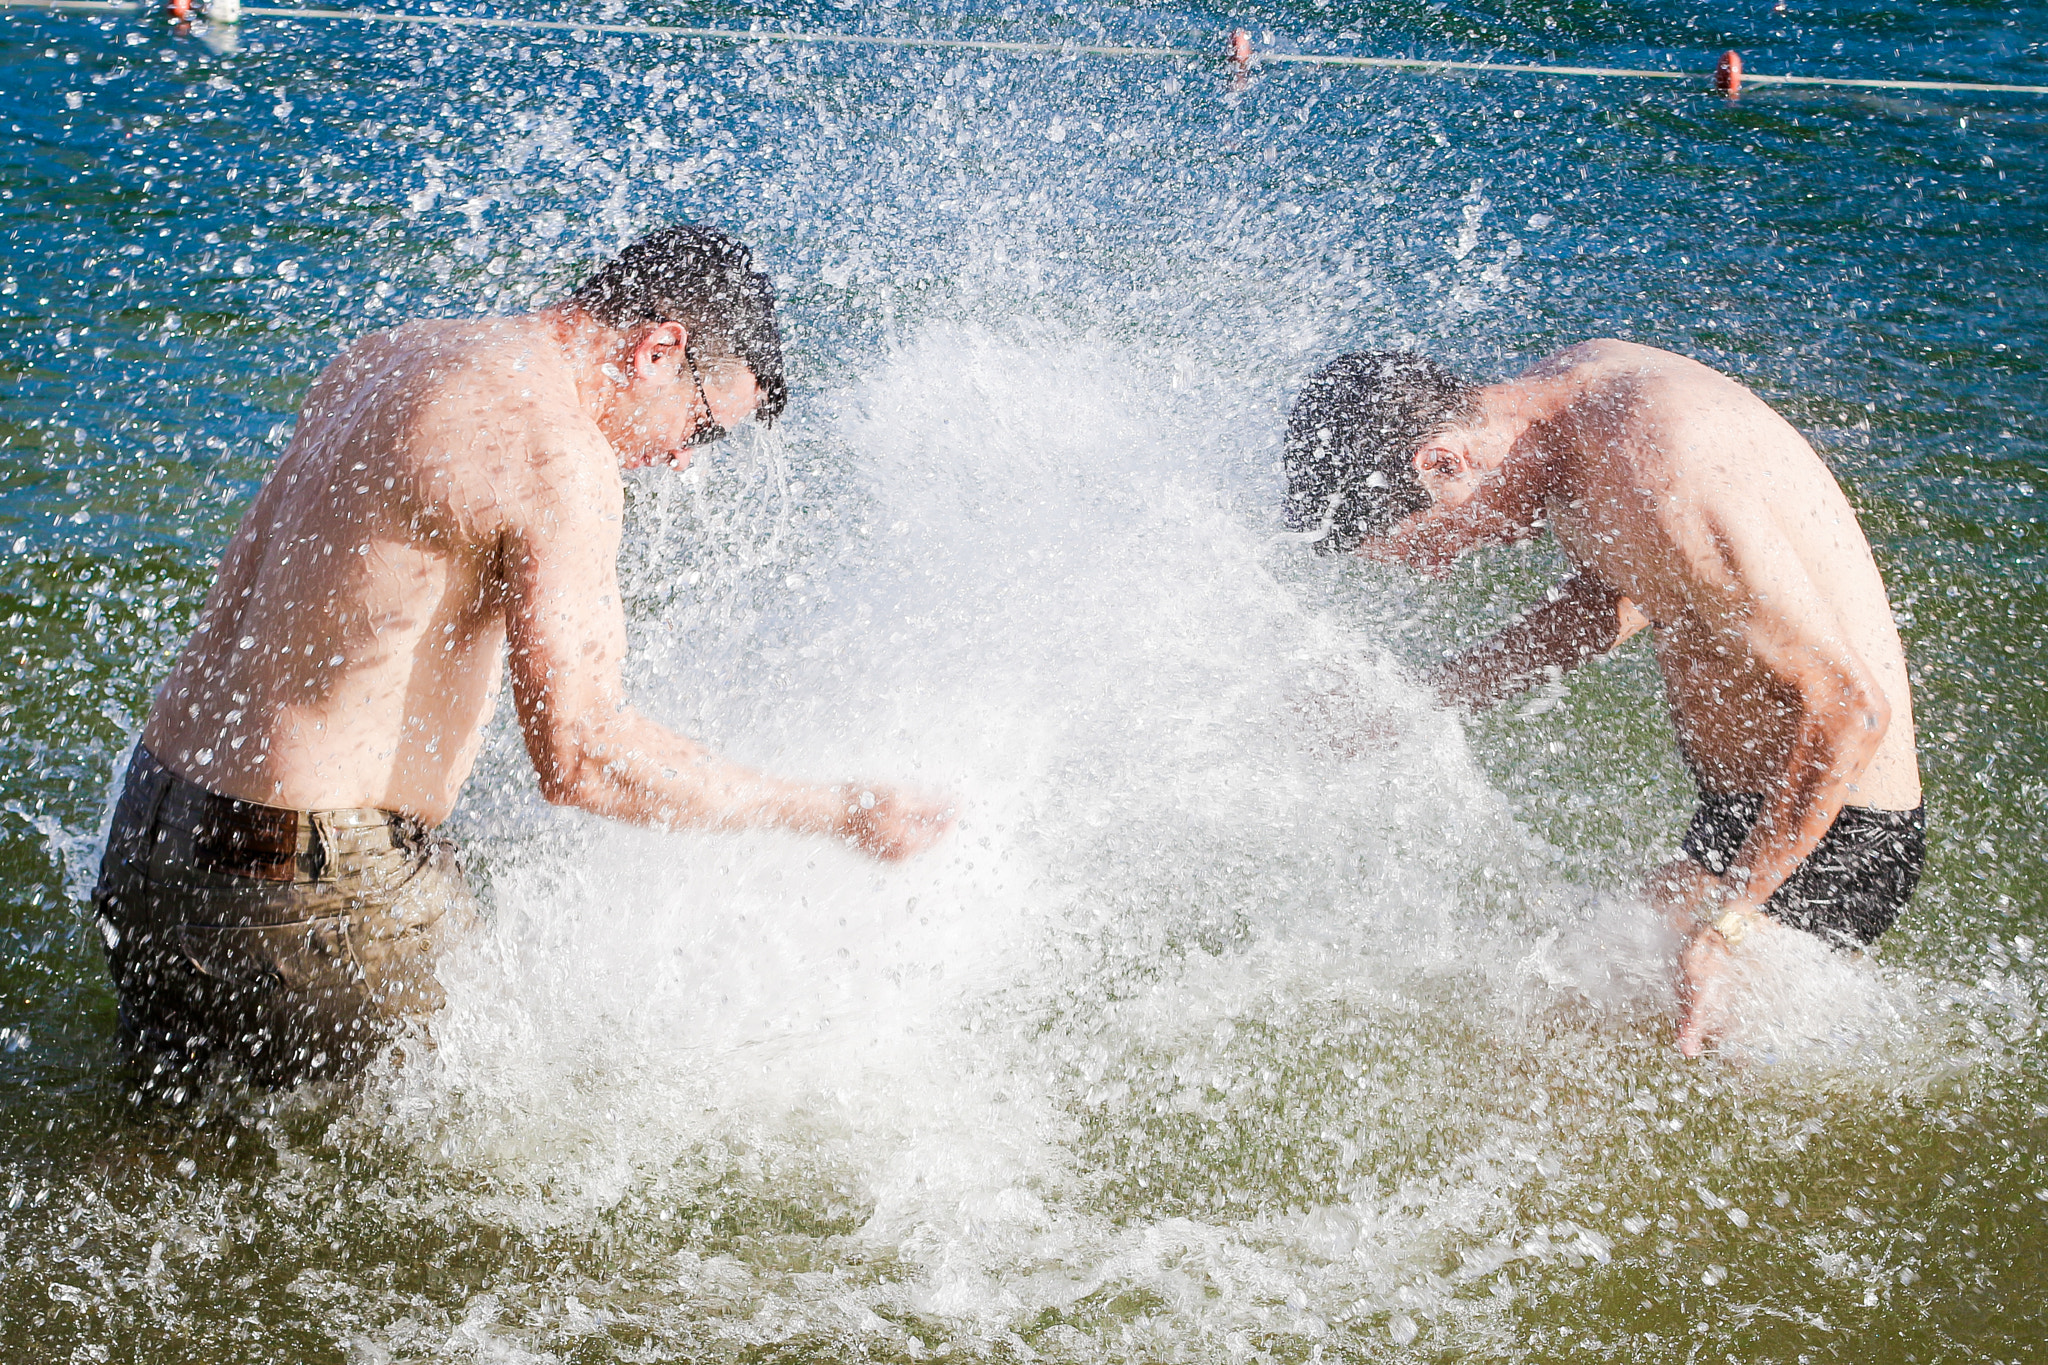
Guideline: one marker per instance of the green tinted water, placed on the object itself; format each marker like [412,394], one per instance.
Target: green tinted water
[1200,1041]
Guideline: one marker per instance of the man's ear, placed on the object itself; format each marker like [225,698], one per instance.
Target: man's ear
[1449,473]
[659,352]
[1442,459]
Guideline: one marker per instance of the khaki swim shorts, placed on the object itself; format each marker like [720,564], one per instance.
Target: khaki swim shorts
[292,942]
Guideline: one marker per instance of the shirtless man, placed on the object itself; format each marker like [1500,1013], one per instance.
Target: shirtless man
[1683,503]
[271,889]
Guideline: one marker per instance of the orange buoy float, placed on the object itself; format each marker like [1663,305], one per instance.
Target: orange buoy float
[1241,58]
[1728,73]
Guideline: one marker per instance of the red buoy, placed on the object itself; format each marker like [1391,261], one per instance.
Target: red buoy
[1241,58]
[180,10]
[1728,74]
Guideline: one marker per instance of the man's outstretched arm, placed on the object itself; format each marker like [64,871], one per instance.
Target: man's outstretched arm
[566,633]
[1580,618]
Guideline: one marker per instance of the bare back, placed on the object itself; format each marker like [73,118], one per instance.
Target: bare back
[349,653]
[1688,494]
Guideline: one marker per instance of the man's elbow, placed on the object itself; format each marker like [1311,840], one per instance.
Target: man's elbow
[1872,710]
[560,787]
[1861,716]
[570,769]
[1874,716]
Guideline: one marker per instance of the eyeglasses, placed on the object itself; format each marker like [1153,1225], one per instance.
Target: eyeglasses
[708,428]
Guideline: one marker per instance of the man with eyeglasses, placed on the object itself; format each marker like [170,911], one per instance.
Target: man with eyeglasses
[273,891]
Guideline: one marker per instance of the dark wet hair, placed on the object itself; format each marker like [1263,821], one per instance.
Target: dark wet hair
[1352,438]
[705,280]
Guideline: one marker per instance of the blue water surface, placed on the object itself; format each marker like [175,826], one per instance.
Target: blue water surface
[194,222]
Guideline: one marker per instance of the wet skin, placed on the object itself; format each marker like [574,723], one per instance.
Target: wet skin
[1685,503]
[453,498]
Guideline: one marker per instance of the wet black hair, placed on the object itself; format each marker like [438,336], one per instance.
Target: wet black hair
[702,278]
[1352,438]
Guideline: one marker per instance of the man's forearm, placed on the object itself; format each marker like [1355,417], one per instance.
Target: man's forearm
[1836,743]
[634,770]
[1506,663]
[1578,623]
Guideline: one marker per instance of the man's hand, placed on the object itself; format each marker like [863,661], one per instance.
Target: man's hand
[887,824]
[1345,722]
[1691,898]
[1703,968]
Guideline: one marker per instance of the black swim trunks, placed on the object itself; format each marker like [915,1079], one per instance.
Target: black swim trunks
[1849,889]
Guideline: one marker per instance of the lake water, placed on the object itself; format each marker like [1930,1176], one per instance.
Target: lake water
[1204,1038]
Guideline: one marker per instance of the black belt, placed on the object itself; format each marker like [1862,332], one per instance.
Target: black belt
[249,839]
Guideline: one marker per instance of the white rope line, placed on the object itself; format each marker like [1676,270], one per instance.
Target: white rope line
[727,35]
[1748,77]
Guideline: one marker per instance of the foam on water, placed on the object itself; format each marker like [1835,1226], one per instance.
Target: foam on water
[1791,997]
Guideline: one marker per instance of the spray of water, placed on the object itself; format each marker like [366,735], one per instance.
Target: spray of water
[1240,1016]
[1192,1028]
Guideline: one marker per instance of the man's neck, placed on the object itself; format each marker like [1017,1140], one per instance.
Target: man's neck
[1515,421]
[590,356]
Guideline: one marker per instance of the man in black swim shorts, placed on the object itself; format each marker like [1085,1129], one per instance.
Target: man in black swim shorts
[1684,503]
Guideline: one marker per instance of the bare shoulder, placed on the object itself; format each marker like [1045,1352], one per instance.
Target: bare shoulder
[1622,388]
[564,464]
[551,466]
[1616,360]
[494,389]
[1595,353]
[469,427]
